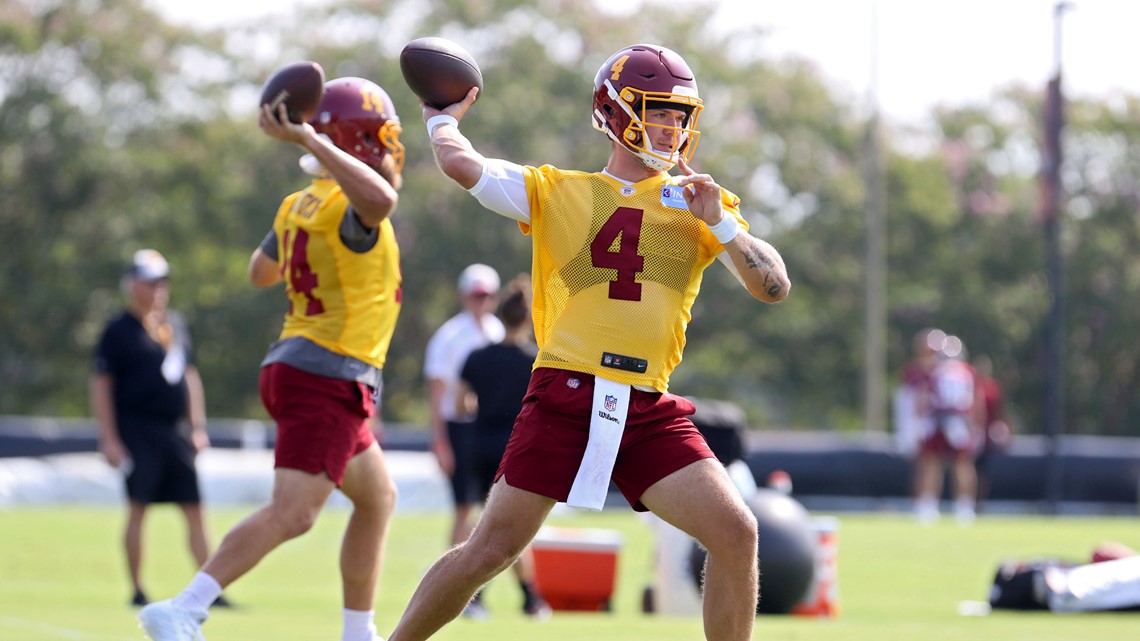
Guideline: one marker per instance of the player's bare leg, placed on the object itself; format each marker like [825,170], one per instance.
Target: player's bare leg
[508,523]
[701,500]
[369,486]
[928,486]
[297,501]
[965,489]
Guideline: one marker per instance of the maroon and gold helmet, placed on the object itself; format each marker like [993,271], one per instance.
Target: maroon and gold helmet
[359,118]
[638,78]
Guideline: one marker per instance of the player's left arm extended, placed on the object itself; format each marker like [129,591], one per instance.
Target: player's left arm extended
[759,267]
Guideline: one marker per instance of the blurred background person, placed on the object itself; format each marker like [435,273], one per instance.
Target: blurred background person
[914,388]
[949,435]
[473,327]
[491,386]
[147,399]
[995,431]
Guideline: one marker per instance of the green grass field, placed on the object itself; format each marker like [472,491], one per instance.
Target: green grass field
[62,577]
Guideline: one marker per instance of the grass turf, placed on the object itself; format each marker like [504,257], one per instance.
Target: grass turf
[62,577]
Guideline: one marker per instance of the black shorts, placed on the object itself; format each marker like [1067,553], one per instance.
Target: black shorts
[162,470]
[489,446]
[463,486]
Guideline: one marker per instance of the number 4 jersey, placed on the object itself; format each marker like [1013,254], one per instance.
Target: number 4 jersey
[343,300]
[616,269]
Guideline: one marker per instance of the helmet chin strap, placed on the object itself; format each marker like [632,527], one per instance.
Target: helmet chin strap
[646,158]
[653,159]
[655,163]
[310,165]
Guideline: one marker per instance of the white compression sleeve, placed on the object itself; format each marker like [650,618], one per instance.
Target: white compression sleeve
[502,189]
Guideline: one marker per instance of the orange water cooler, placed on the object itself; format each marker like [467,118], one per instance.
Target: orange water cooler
[576,568]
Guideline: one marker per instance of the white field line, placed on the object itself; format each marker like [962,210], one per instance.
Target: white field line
[44,630]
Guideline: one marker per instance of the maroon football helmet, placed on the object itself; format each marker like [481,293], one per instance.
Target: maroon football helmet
[359,118]
[636,79]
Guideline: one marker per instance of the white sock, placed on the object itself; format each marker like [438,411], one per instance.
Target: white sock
[358,625]
[201,592]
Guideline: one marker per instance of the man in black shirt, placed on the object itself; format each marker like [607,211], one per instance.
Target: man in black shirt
[144,385]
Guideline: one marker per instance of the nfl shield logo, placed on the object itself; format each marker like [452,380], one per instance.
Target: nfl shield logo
[573,383]
[611,403]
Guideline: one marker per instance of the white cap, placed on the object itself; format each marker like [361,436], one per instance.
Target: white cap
[478,279]
[149,265]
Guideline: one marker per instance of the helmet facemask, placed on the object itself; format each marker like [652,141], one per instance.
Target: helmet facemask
[636,137]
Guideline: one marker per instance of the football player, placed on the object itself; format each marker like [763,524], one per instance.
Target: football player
[333,246]
[618,257]
[950,434]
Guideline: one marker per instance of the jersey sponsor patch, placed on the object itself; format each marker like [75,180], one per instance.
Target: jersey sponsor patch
[673,196]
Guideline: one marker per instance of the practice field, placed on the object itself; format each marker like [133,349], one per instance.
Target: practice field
[62,577]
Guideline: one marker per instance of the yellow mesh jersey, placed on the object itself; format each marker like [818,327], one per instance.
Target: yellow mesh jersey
[615,272]
[342,300]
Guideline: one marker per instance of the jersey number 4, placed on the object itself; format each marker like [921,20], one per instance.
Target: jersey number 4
[625,222]
[301,278]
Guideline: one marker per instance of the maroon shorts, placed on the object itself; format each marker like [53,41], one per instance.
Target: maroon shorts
[551,431]
[938,445]
[322,422]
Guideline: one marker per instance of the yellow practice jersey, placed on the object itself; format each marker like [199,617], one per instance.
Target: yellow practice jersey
[342,300]
[616,269]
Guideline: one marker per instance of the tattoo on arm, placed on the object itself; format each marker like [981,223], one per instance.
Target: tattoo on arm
[771,285]
[756,257]
[759,255]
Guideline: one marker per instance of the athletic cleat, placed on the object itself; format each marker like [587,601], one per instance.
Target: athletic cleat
[537,610]
[139,599]
[165,621]
[476,611]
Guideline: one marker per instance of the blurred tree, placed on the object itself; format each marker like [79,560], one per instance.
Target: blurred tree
[119,130]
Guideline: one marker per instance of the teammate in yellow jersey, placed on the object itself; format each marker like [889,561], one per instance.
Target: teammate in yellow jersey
[332,244]
[617,261]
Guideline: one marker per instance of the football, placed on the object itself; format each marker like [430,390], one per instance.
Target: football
[299,86]
[439,71]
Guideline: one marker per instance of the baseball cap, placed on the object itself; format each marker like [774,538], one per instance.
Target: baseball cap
[478,279]
[149,265]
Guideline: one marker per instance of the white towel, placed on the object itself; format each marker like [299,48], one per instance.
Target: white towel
[174,365]
[607,422]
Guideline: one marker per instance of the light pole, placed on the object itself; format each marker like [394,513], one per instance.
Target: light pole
[875,272]
[1051,197]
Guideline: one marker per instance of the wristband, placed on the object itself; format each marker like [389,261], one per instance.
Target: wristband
[726,229]
[442,119]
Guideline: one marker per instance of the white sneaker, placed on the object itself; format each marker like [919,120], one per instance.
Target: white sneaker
[926,511]
[965,515]
[164,621]
[476,611]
